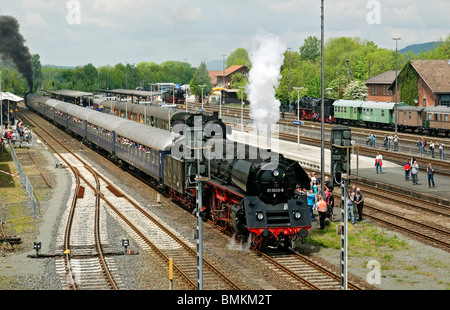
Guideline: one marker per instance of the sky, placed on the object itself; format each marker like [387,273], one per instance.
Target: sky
[107,32]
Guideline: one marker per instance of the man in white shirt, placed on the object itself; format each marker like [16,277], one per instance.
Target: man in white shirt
[379,162]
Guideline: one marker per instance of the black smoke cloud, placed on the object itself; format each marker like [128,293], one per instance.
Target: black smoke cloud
[12,48]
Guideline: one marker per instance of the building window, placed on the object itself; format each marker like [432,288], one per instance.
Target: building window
[424,102]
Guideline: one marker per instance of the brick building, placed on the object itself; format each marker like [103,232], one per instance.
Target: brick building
[378,87]
[218,77]
[433,81]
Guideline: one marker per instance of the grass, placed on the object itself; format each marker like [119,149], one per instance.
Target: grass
[12,194]
[364,240]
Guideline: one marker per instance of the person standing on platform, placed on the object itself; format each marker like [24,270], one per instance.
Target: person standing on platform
[379,162]
[432,149]
[395,143]
[322,209]
[419,144]
[415,172]
[430,172]
[441,150]
[350,204]
[310,197]
[385,142]
[359,200]
[407,167]
[390,141]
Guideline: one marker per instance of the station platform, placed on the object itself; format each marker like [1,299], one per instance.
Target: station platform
[392,177]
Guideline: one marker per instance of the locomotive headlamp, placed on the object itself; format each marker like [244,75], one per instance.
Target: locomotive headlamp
[297,215]
[275,173]
[259,216]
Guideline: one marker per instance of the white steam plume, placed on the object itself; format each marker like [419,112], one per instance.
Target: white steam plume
[266,56]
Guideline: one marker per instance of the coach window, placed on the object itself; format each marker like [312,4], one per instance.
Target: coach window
[382,113]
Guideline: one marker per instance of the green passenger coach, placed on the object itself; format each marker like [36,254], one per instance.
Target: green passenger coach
[368,113]
[347,111]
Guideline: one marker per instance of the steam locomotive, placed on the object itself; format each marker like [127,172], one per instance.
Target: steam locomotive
[245,191]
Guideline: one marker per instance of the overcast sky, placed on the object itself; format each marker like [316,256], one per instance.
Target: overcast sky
[111,31]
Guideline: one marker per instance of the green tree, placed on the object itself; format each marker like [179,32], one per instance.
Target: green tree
[238,58]
[310,50]
[37,72]
[201,77]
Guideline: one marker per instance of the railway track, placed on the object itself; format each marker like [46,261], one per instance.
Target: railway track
[84,265]
[143,226]
[303,271]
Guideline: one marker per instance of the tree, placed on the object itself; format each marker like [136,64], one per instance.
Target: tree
[238,58]
[201,77]
[356,90]
[310,50]
[37,72]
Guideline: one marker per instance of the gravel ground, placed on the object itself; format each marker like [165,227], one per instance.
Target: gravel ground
[419,267]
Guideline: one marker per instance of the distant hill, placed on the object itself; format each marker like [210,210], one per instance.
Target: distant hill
[56,66]
[419,48]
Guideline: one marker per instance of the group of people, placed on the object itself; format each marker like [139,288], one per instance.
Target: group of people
[18,132]
[422,144]
[323,204]
[389,141]
[412,167]
[355,198]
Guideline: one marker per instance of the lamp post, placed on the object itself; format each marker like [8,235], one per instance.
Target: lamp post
[185,91]
[396,69]
[222,92]
[322,107]
[290,53]
[298,114]
[242,107]
[202,86]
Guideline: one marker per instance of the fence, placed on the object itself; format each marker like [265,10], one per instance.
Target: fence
[25,181]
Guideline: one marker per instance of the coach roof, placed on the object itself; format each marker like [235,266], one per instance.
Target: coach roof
[147,135]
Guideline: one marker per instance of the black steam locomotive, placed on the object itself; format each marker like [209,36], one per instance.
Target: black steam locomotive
[244,191]
[310,109]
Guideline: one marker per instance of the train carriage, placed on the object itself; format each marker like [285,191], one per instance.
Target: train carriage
[409,118]
[437,120]
[347,111]
[143,147]
[100,130]
[377,114]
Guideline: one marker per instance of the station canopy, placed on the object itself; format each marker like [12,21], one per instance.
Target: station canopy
[10,97]
[70,93]
[130,92]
